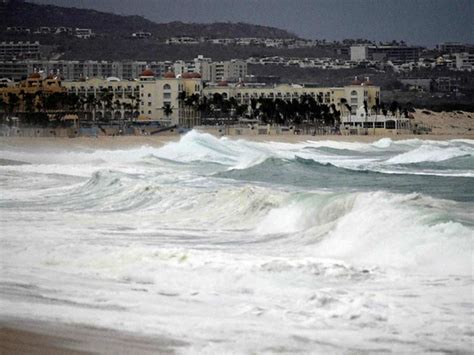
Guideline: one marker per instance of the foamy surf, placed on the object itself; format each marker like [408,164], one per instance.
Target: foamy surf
[348,247]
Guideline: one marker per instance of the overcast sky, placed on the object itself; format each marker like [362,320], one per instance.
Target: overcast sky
[424,22]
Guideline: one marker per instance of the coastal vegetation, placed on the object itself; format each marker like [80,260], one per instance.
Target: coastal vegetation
[104,109]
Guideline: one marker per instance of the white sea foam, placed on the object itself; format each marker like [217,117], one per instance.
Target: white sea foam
[430,153]
[383,143]
[150,240]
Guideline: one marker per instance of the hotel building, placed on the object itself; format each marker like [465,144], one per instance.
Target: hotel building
[34,85]
[149,98]
[163,99]
[354,94]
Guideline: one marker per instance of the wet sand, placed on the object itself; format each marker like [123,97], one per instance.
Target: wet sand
[22,336]
[120,142]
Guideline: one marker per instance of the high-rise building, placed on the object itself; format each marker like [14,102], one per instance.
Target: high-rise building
[19,50]
[396,54]
[455,47]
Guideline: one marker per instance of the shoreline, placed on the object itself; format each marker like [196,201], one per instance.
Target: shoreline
[118,142]
[29,336]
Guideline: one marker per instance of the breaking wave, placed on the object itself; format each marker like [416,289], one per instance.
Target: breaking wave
[363,239]
[367,228]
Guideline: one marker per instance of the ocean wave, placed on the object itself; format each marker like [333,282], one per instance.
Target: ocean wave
[431,153]
[376,228]
[379,228]
[309,173]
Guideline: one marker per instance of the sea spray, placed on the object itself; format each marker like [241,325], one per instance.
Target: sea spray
[345,246]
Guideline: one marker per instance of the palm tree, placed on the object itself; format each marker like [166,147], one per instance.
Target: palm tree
[28,99]
[366,109]
[91,103]
[2,108]
[203,107]
[191,104]
[13,102]
[376,108]
[394,106]
[105,100]
[241,109]
[167,110]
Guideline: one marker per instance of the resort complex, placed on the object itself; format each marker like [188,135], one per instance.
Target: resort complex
[186,100]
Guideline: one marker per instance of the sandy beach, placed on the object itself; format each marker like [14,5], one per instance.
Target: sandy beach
[121,142]
[25,336]
[446,123]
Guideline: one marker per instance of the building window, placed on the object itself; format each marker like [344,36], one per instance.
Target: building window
[390,124]
[149,112]
[149,104]
[166,87]
[354,93]
[149,94]
[167,95]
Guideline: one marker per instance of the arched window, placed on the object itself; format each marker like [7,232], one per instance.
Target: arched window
[354,93]
[166,87]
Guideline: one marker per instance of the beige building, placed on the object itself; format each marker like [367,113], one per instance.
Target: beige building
[113,98]
[163,99]
[354,94]
[169,100]
[146,99]
[231,70]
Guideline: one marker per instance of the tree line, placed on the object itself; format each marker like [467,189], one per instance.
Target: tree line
[37,109]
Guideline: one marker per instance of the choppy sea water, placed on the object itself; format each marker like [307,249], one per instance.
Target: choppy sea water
[246,247]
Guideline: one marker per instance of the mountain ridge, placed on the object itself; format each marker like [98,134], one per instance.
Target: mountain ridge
[34,15]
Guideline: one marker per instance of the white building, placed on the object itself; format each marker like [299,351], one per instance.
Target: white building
[369,122]
[182,40]
[84,33]
[464,61]
[359,53]
[141,34]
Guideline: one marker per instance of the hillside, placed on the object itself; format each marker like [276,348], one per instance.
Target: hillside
[34,15]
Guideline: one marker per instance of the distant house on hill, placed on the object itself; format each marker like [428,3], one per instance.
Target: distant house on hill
[84,33]
[141,34]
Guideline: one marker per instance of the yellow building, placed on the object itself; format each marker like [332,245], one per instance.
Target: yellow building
[35,85]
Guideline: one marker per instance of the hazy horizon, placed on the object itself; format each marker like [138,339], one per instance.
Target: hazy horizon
[422,22]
